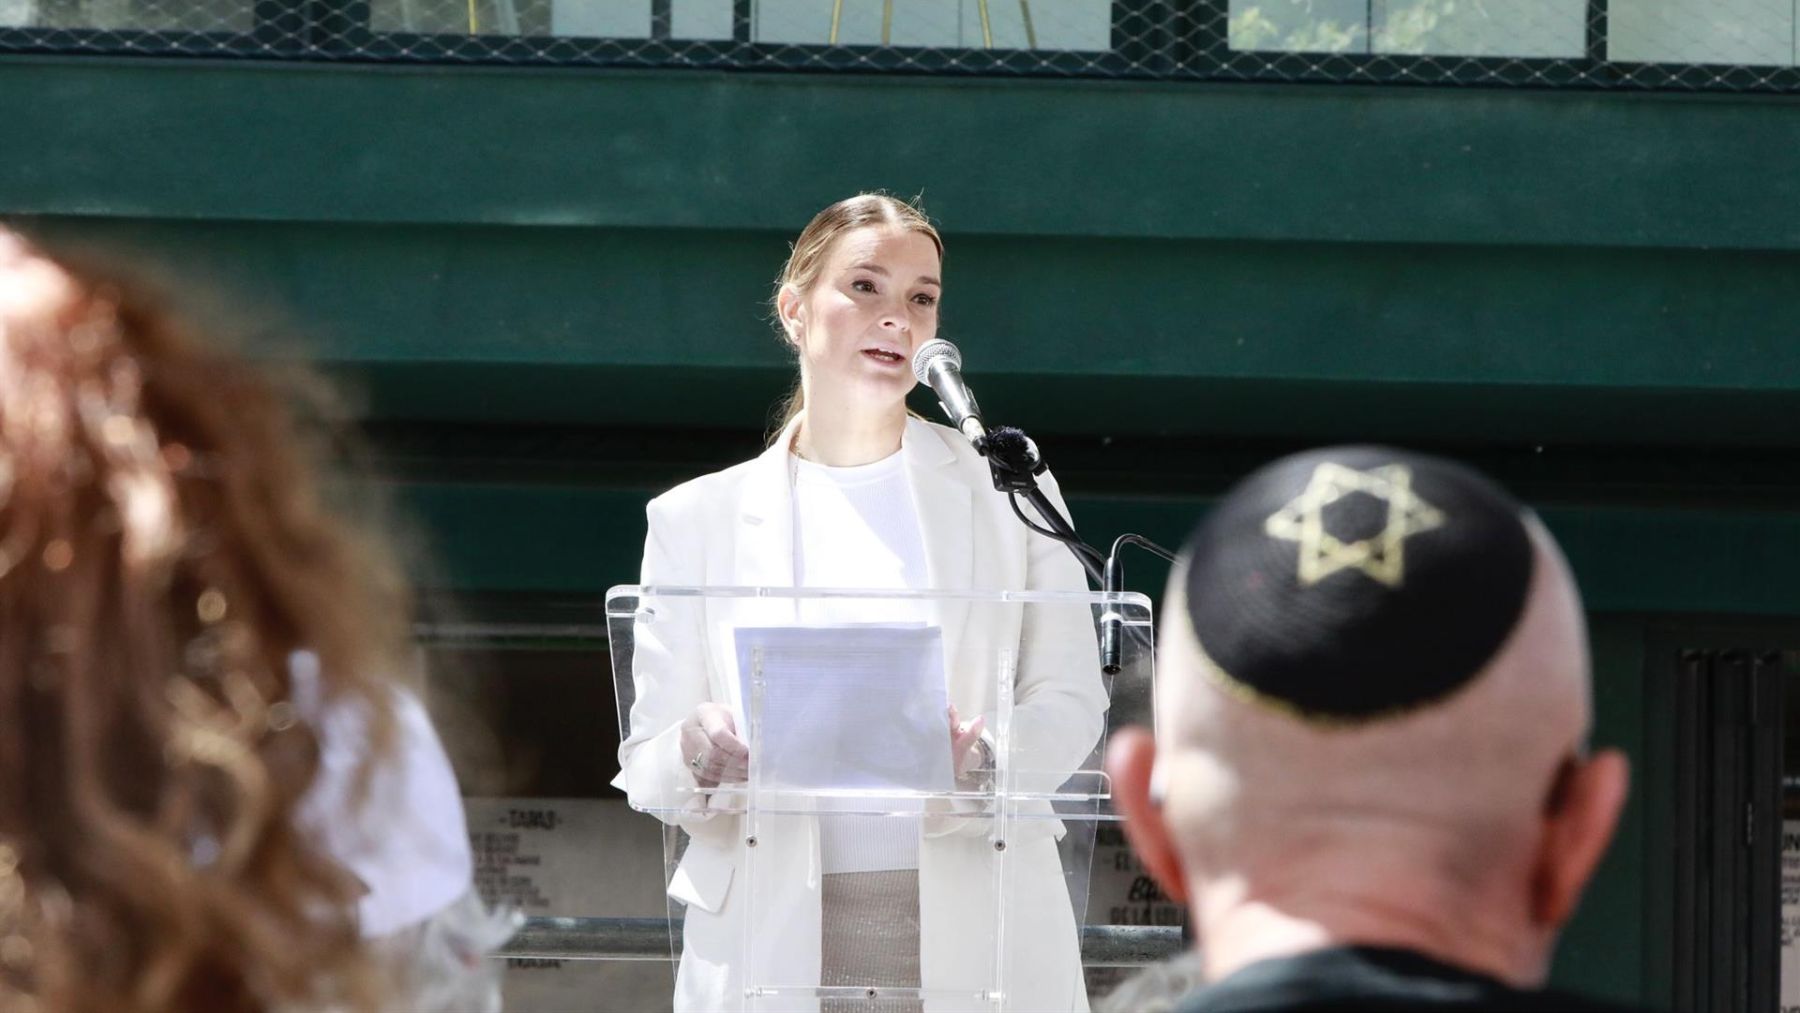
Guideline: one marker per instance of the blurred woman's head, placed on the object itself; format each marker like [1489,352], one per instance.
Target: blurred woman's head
[164,550]
[859,292]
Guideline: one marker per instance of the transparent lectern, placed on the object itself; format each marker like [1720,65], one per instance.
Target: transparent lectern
[842,698]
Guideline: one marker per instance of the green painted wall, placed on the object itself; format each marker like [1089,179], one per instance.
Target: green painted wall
[1611,948]
[648,149]
[1482,344]
[1303,262]
[579,538]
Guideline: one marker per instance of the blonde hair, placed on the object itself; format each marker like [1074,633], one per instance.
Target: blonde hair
[806,261]
[164,548]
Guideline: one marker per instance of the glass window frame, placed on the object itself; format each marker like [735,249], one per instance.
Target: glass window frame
[1151,39]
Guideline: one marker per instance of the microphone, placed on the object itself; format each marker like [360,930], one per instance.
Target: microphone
[1012,458]
[938,365]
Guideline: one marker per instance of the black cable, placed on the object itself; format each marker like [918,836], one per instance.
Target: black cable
[1060,524]
[1013,498]
[1015,464]
[1112,581]
[1059,529]
[1085,553]
[1141,542]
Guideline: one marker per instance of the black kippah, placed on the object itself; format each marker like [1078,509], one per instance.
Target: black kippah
[1353,582]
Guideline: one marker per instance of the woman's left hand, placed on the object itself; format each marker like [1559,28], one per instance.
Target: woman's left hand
[965,743]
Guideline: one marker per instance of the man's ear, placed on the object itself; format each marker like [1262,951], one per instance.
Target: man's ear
[1130,758]
[1579,819]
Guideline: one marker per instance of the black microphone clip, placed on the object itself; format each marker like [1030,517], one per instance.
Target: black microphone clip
[1012,459]
[1112,582]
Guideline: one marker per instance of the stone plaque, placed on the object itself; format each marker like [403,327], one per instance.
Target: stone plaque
[580,858]
[1121,891]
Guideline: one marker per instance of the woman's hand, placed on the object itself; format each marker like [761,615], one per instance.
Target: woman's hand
[966,753]
[711,747]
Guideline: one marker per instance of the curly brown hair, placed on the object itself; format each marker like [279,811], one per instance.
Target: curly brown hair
[164,548]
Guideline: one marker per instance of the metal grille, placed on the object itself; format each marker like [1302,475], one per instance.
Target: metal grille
[1727,45]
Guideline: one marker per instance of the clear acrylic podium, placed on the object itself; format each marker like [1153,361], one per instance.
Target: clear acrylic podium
[1003,851]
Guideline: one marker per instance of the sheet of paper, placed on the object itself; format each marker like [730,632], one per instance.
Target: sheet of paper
[850,705]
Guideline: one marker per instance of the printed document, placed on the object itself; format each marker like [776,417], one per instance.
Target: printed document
[849,705]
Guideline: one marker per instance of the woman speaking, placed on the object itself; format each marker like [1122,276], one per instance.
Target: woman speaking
[855,492]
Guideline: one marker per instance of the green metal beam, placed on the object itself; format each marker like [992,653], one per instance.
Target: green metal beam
[583,538]
[678,149]
[1320,341]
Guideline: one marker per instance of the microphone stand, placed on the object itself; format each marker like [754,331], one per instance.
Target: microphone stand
[1015,464]
[1112,624]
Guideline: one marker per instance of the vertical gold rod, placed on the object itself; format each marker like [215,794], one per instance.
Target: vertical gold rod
[1030,30]
[887,21]
[837,11]
[474,23]
[987,30]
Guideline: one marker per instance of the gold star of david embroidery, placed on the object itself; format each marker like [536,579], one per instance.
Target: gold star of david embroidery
[1382,557]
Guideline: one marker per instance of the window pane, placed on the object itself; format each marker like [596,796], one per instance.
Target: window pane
[600,19]
[1753,32]
[700,19]
[463,17]
[856,22]
[234,16]
[937,24]
[1517,28]
[581,19]
[1300,26]
[1084,25]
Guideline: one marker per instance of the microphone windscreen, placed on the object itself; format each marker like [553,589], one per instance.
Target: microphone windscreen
[1009,444]
[931,352]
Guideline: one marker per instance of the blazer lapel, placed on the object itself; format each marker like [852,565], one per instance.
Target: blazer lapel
[764,526]
[946,524]
[762,547]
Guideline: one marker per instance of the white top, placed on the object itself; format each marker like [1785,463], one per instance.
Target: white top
[409,841]
[858,527]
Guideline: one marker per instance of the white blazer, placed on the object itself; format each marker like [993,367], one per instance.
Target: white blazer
[735,527]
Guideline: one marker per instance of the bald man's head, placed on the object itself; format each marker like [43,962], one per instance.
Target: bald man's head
[1370,653]
[1361,633]
[1471,764]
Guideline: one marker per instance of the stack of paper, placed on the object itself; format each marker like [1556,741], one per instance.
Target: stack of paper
[858,706]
